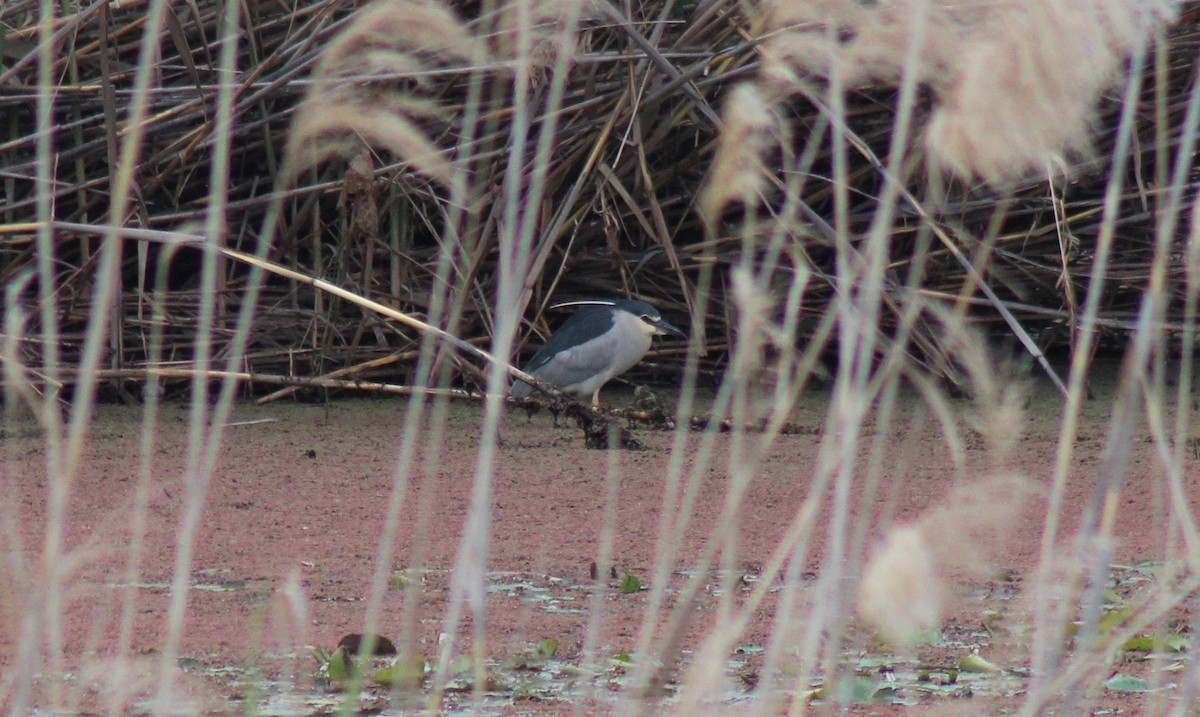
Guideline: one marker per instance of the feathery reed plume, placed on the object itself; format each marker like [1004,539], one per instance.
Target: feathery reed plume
[868,42]
[1025,89]
[543,21]
[1016,83]
[368,87]
[906,581]
[737,171]
[901,590]
[998,403]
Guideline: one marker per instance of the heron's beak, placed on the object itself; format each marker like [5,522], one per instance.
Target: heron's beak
[662,328]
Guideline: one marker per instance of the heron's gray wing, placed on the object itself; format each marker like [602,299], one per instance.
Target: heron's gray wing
[572,353]
[579,363]
[583,326]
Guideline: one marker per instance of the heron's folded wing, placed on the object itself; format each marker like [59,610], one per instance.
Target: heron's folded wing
[576,365]
[576,352]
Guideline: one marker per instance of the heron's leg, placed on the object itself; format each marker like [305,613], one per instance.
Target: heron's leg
[596,398]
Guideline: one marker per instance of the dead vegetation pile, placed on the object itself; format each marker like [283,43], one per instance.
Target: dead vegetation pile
[638,122]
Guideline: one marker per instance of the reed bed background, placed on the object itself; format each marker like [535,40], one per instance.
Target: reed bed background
[635,141]
[909,191]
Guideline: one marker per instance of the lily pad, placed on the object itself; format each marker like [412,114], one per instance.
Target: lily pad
[1126,683]
[975,663]
[857,691]
[405,673]
[1170,642]
[461,665]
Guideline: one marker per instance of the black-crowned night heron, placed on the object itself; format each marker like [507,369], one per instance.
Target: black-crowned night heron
[603,339]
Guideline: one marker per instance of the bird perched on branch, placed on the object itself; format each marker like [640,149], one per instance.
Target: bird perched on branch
[602,340]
